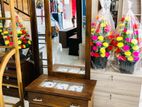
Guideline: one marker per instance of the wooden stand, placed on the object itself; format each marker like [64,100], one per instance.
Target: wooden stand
[14,51]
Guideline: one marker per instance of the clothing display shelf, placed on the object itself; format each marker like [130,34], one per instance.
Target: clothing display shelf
[14,50]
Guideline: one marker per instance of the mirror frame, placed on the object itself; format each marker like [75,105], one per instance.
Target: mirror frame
[51,72]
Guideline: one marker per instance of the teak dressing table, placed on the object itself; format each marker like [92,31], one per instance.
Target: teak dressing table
[62,89]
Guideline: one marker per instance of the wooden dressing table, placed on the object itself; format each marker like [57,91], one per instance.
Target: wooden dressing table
[43,96]
[62,89]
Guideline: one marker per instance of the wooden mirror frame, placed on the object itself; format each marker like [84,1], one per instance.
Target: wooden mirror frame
[49,43]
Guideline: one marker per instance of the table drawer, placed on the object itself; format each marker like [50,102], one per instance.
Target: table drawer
[55,101]
[36,105]
[126,88]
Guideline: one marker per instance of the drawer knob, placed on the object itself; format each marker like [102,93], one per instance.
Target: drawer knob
[37,100]
[7,77]
[74,105]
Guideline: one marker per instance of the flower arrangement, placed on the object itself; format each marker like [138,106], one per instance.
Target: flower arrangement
[128,43]
[100,41]
[23,36]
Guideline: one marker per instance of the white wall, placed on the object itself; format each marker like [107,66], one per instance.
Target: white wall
[94,8]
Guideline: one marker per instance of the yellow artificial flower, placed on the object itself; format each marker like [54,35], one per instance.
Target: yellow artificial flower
[135,48]
[130,58]
[4,37]
[29,42]
[128,53]
[92,30]
[129,32]
[101,38]
[102,50]
[7,42]
[119,38]
[120,44]
[103,55]
[134,41]
[105,44]
[19,32]
[24,46]
[103,24]
[5,32]
[19,42]
[120,30]
[121,25]
[19,47]
[127,18]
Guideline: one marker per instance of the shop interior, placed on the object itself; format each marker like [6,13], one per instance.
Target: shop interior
[70,53]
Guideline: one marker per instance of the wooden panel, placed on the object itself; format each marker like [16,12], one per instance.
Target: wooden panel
[102,99]
[128,78]
[103,86]
[100,76]
[126,88]
[55,101]
[36,105]
[124,101]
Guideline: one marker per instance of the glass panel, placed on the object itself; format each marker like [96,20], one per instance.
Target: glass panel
[69,86]
[68,47]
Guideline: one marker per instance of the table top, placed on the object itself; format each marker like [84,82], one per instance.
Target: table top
[86,94]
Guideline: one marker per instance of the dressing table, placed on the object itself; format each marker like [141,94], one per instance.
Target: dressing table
[62,88]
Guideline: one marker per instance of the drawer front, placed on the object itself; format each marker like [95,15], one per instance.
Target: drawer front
[126,88]
[125,101]
[101,99]
[103,86]
[55,101]
[128,78]
[36,105]
[100,76]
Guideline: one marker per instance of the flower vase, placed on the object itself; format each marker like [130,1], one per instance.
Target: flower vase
[126,67]
[99,62]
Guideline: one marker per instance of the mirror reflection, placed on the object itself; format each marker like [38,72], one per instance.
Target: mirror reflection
[68,46]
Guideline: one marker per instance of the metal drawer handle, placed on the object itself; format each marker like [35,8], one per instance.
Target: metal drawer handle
[37,100]
[74,105]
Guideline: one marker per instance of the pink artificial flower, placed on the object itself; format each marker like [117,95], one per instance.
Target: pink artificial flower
[107,54]
[107,28]
[92,54]
[122,58]
[11,43]
[94,37]
[136,32]
[136,59]
[99,44]
[128,40]
[93,24]
[136,53]
[126,47]
[125,30]
[94,48]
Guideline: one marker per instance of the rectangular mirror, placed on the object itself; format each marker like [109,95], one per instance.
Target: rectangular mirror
[66,39]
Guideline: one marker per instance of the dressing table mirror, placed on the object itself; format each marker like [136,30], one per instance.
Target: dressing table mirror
[63,89]
[66,51]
